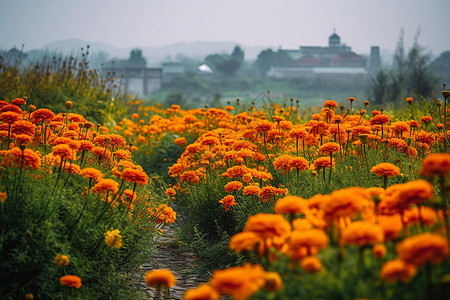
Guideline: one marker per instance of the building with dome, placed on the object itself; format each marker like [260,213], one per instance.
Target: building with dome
[337,58]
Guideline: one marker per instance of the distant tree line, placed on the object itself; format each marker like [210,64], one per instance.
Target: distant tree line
[411,71]
[226,64]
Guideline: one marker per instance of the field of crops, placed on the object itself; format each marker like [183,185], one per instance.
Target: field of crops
[277,203]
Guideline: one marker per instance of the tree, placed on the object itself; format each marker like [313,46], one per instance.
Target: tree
[408,73]
[226,64]
[268,58]
[136,60]
[441,67]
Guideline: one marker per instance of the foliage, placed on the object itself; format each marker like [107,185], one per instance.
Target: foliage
[441,65]
[226,64]
[268,58]
[51,81]
[60,198]
[408,72]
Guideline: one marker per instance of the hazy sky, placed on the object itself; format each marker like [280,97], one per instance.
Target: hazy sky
[285,23]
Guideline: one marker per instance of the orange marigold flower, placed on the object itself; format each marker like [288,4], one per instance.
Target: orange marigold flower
[426,119]
[299,163]
[63,151]
[135,116]
[22,139]
[360,129]
[11,108]
[328,148]
[324,162]
[134,175]
[397,270]
[160,278]
[122,154]
[86,145]
[273,282]
[427,216]
[169,214]
[129,194]
[437,164]
[379,119]
[210,140]
[239,282]
[379,251]
[414,123]
[298,133]
[72,168]
[268,192]
[400,127]
[101,140]
[106,186]
[385,169]
[71,281]
[170,192]
[244,241]
[10,117]
[247,177]
[301,224]
[190,176]
[398,144]
[62,259]
[23,127]
[117,140]
[391,225]
[203,292]
[42,114]
[309,238]
[330,104]
[251,190]
[101,152]
[409,193]
[180,141]
[291,205]
[311,264]
[345,202]
[228,201]
[283,162]
[3,197]
[76,118]
[267,226]
[409,100]
[91,173]
[422,249]
[264,126]
[113,238]
[362,233]
[233,186]
[18,101]
[13,157]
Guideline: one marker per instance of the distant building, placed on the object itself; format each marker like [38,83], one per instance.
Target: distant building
[170,70]
[374,64]
[13,56]
[337,58]
[132,75]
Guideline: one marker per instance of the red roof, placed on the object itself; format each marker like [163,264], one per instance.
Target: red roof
[308,61]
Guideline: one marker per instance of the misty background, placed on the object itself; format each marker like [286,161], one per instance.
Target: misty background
[248,47]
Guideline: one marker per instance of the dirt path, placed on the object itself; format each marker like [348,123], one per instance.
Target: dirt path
[168,256]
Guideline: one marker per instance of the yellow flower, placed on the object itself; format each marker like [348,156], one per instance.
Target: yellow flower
[113,238]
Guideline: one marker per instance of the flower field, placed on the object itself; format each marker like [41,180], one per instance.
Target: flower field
[278,203]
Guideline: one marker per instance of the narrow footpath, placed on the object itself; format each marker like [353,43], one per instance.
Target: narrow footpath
[167,255]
